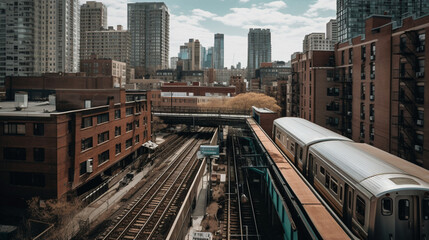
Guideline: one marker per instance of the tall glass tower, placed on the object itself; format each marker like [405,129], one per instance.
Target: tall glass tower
[258,49]
[149,26]
[218,58]
[351,14]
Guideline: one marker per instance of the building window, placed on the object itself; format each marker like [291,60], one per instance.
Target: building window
[39,154]
[372,92]
[420,98]
[372,51]
[362,110]
[137,139]
[102,118]
[118,148]
[342,57]
[117,131]
[14,154]
[117,113]
[86,143]
[87,103]
[86,122]
[421,68]
[137,123]
[103,157]
[128,143]
[82,168]
[39,129]
[362,91]
[421,43]
[363,52]
[350,55]
[103,137]
[14,129]
[371,112]
[372,70]
[420,118]
[362,130]
[129,127]
[27,179]
[362,71]
[371,132]
[129,111]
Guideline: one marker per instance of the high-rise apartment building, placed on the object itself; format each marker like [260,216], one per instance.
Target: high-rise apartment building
[107,43]
[218,51]
[332,31]
[39,36]
[208,63]
[93,16]
[351,14]
[316,42]
[190,55]
[149,26]
[173,62]
[258,49]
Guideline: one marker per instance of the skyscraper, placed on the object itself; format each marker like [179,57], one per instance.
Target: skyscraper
[351,14]
[149,25]
[190,55]
[38,36]
[258,49]
[332,31]
[208,63]
[218,57]
[93,16]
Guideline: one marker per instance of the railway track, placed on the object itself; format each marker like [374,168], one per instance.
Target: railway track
[150,215]
[241,215]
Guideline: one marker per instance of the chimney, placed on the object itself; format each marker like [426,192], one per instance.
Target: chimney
[119,27]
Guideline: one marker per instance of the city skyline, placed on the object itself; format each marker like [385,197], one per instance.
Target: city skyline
[289,22]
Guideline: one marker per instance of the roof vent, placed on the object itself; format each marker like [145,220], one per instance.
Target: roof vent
[404,181]
[21,100]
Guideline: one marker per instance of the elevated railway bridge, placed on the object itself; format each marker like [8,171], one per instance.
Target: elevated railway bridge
[293,205]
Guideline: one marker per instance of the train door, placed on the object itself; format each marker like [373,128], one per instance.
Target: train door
[406,217]
[348,205]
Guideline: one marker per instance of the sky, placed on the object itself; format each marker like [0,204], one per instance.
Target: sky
[288,20]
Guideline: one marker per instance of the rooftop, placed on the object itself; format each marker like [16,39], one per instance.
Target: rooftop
[33,109]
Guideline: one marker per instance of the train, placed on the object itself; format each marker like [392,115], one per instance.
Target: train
[376,194]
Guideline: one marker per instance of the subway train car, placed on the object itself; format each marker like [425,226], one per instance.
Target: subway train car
[376,194]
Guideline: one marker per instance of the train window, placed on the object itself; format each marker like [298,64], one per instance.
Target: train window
[292,147]
[327,180]
[334,185]
[300,153]
[425,205]
[360,210]
[386,206]
[322,170]
[404,209]
[350,199]
[341,192]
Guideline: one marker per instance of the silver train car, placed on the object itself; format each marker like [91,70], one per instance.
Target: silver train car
[377,195]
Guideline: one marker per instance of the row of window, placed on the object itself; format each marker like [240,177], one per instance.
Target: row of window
[20,154]
[102,118]
[19,129]
[105,156]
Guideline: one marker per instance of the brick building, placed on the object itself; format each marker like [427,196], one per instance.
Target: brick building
[104,67]
[314,89]
[238,83]
[51,149]
[39,88]
[377,88]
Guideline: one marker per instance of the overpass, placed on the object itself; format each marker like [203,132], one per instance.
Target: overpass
[208,117]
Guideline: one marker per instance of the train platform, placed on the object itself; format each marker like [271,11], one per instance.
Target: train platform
[305,211]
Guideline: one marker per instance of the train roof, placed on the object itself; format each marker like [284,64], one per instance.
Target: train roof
[396,161]
[306,131]
[368,170]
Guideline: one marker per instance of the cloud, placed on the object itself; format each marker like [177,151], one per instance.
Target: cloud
[275,4]
[244,1]
[321,5]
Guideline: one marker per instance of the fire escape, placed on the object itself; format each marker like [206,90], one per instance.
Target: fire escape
[295,93]
[345,78]
[409,49]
